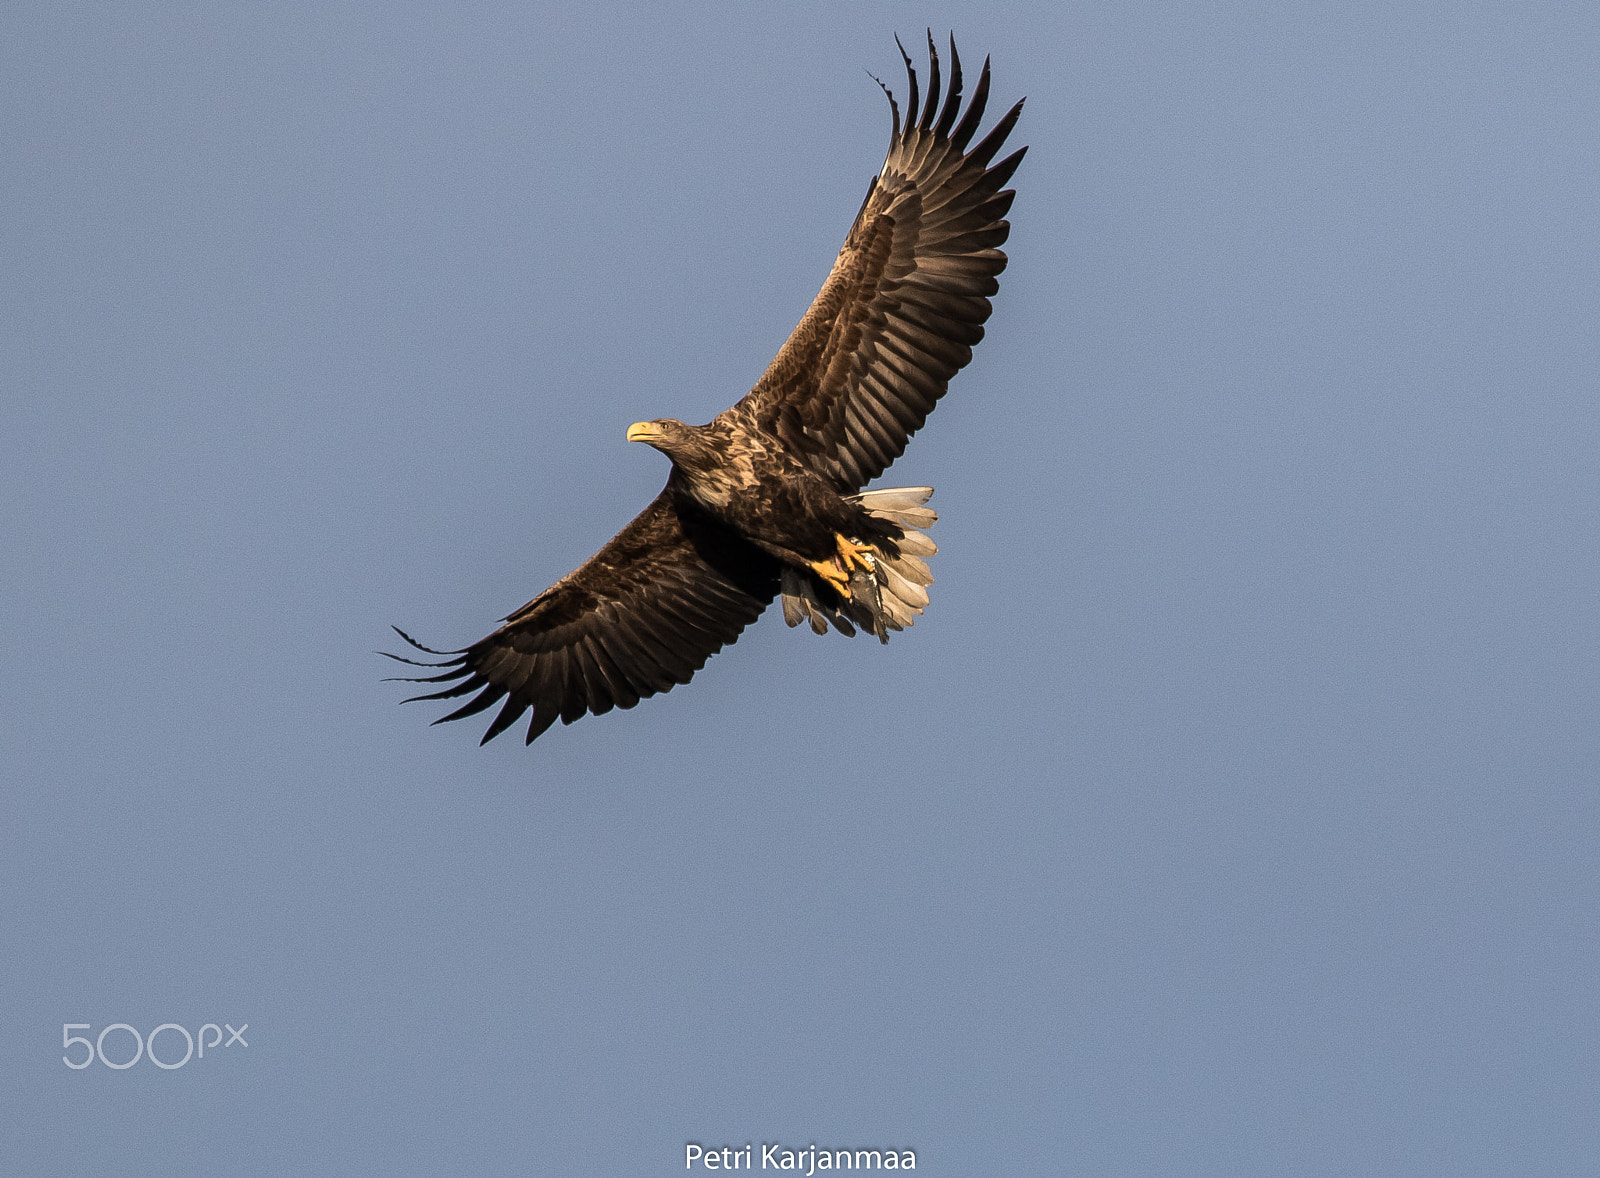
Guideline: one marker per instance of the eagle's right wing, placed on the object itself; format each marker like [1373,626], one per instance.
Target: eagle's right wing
[643,614]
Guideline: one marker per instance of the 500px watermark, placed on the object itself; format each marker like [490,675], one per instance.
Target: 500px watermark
[143,1046]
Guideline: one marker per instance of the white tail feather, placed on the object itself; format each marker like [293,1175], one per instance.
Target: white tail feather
[918,544]
[907,591]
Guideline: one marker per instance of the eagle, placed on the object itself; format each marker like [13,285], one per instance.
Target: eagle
[769,498]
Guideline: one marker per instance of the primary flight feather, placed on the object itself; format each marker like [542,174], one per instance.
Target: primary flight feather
[768,497]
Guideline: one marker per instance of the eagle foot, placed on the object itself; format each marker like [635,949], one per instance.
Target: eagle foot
[830,572]
[851,553]
[838,571]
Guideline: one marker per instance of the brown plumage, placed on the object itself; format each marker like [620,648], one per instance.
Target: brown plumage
[767,497]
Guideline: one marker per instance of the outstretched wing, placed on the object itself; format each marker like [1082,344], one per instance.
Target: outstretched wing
[644,613]
[907,297]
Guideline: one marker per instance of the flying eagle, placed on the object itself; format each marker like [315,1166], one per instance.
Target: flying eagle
[768,498]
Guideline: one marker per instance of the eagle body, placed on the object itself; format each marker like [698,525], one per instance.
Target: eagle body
[747,481]
[769,499]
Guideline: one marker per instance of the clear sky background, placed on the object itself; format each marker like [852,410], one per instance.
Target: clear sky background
[1232,811]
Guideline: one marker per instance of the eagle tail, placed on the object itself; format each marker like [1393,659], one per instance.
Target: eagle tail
[892,593]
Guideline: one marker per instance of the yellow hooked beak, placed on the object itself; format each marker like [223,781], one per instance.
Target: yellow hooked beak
[642,431]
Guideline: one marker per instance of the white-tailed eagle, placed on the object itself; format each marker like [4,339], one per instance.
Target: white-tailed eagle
[768,498]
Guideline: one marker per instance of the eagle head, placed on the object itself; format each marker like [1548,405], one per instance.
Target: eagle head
[686,445]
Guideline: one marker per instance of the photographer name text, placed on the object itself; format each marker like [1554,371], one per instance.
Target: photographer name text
[798,1161]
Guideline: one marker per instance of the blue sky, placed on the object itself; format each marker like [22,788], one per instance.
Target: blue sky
[1232,811]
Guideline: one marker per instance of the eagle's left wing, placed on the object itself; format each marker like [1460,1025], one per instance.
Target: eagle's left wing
[907,297]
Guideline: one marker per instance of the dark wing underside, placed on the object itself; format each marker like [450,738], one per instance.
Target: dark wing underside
[907,297]
[643,614]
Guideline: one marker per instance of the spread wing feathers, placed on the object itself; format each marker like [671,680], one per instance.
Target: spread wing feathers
[643,614]
[907,297]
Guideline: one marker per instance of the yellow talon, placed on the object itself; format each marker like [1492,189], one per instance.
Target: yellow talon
[836,572]
[852,553]
[831,573]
